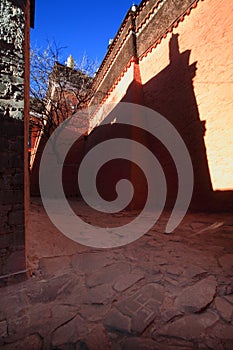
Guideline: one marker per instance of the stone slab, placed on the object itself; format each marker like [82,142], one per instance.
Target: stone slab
[226,261]
[32,342]
[116,321]
[196,298]
[98,339]
[224,308]
[188,327]
[127,280]
[106,275]
[3,329]
[141,308]
[69,332]
[89,262]
[54,266]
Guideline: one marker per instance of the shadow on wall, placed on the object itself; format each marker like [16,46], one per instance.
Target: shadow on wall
[171,93]
[70,168]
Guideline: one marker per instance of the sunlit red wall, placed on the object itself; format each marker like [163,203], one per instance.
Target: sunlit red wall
[185,72]
[207,32]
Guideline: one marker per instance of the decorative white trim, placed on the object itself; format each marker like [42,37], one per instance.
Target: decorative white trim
[115,58]
[156,9]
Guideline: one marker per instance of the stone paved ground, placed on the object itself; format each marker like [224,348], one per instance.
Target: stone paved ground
[165,292]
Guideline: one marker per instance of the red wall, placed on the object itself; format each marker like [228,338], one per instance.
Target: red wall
[187,75]
[181,66]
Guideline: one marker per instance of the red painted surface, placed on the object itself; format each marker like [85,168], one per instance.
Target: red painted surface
[187,76]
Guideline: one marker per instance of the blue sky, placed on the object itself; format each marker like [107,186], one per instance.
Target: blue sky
[80,26]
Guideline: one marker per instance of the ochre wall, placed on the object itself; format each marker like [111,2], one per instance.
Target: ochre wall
[182,68]
[174,56]
[116,94]
[207,32]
